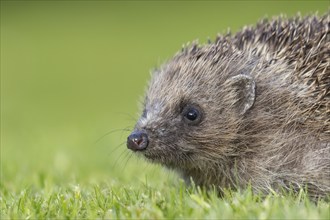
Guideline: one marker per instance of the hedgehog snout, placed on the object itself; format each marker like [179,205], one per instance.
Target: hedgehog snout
[137,141]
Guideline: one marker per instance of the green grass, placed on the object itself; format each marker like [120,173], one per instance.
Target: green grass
[73,71]
[113,200]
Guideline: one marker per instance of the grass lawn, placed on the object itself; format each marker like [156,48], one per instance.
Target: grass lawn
[73,71]
[113,200]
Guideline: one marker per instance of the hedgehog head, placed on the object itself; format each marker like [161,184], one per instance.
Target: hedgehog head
[194,106]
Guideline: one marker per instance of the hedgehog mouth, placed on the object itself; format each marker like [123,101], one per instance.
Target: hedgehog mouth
[152,156]
[157,157]
[167,159]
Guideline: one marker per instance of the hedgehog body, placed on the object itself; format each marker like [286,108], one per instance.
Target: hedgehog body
[250,108]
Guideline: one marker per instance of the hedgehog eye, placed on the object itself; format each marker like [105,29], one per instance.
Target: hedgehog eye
[192,115]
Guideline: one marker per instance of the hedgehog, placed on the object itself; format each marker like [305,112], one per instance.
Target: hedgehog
[250,109]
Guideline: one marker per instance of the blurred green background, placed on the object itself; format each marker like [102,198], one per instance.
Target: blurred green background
[73,71]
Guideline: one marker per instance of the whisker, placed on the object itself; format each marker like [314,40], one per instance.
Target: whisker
[127,114]
[119,157]
[116,148]
[110,132]
[130,156]
[127,129]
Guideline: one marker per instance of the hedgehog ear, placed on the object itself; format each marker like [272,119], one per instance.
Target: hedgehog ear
[244,87]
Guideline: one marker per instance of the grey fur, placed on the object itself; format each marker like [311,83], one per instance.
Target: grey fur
[264,95]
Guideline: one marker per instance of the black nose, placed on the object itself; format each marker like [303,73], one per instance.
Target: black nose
[138,140]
